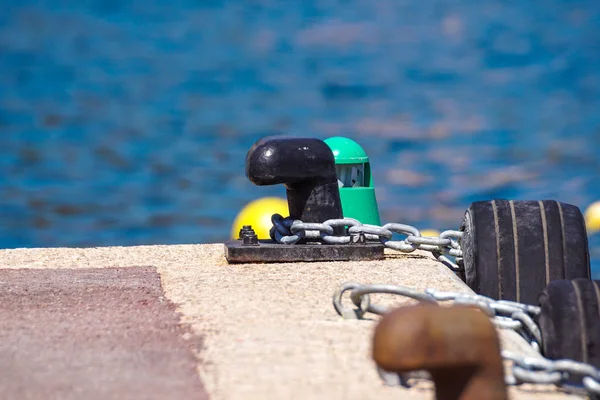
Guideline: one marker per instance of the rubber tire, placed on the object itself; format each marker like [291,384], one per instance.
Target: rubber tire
[570,320]
[551,244]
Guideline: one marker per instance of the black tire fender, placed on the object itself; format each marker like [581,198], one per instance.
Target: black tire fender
[513,249]
[570,320]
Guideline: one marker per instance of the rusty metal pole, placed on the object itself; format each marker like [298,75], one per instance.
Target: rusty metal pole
[458,345]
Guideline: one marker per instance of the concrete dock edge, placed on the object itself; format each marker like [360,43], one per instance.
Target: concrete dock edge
[269,331]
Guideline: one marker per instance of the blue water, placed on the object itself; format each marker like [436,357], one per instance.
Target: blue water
[127,122]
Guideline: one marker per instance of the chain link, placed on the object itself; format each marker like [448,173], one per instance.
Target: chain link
[571,375]
[289,231]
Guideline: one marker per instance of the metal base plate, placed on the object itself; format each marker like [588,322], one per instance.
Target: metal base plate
[269,251]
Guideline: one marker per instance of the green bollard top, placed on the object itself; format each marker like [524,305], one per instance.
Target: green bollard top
[346,151]
[354,178]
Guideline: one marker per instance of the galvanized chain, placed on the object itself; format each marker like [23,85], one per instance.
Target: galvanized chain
[289,231]
[504,314]
[571,375]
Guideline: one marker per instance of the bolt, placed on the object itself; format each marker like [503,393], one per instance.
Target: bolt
[249,238]
[245,229]
[458,345]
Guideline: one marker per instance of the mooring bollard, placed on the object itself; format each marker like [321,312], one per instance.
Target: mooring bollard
[306,167]
[457,345]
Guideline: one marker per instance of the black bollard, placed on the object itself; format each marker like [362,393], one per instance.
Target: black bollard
[306,167]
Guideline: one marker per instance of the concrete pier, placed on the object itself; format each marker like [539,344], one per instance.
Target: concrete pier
[180,322]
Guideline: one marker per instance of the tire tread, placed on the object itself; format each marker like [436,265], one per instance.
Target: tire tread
[513,249]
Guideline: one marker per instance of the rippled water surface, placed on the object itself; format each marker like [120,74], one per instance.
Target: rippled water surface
[127,122]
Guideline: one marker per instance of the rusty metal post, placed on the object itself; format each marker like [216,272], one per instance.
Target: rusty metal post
[458,345]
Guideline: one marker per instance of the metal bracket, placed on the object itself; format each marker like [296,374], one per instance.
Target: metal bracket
[268,251]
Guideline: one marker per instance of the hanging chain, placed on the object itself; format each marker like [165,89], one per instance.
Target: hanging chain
[290,231]
[504,314]
[571,375]
[521,318]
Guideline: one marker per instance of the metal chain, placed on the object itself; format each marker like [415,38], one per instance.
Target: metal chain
[571,375]
[504,314]
[289,231]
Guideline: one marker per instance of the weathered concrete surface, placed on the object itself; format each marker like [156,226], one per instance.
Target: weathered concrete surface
[269,331]
[104,333]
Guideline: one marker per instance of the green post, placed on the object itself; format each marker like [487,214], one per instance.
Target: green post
[355,181]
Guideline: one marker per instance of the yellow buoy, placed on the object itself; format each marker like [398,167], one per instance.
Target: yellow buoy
[258,214]
[430,232]
[592,217]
